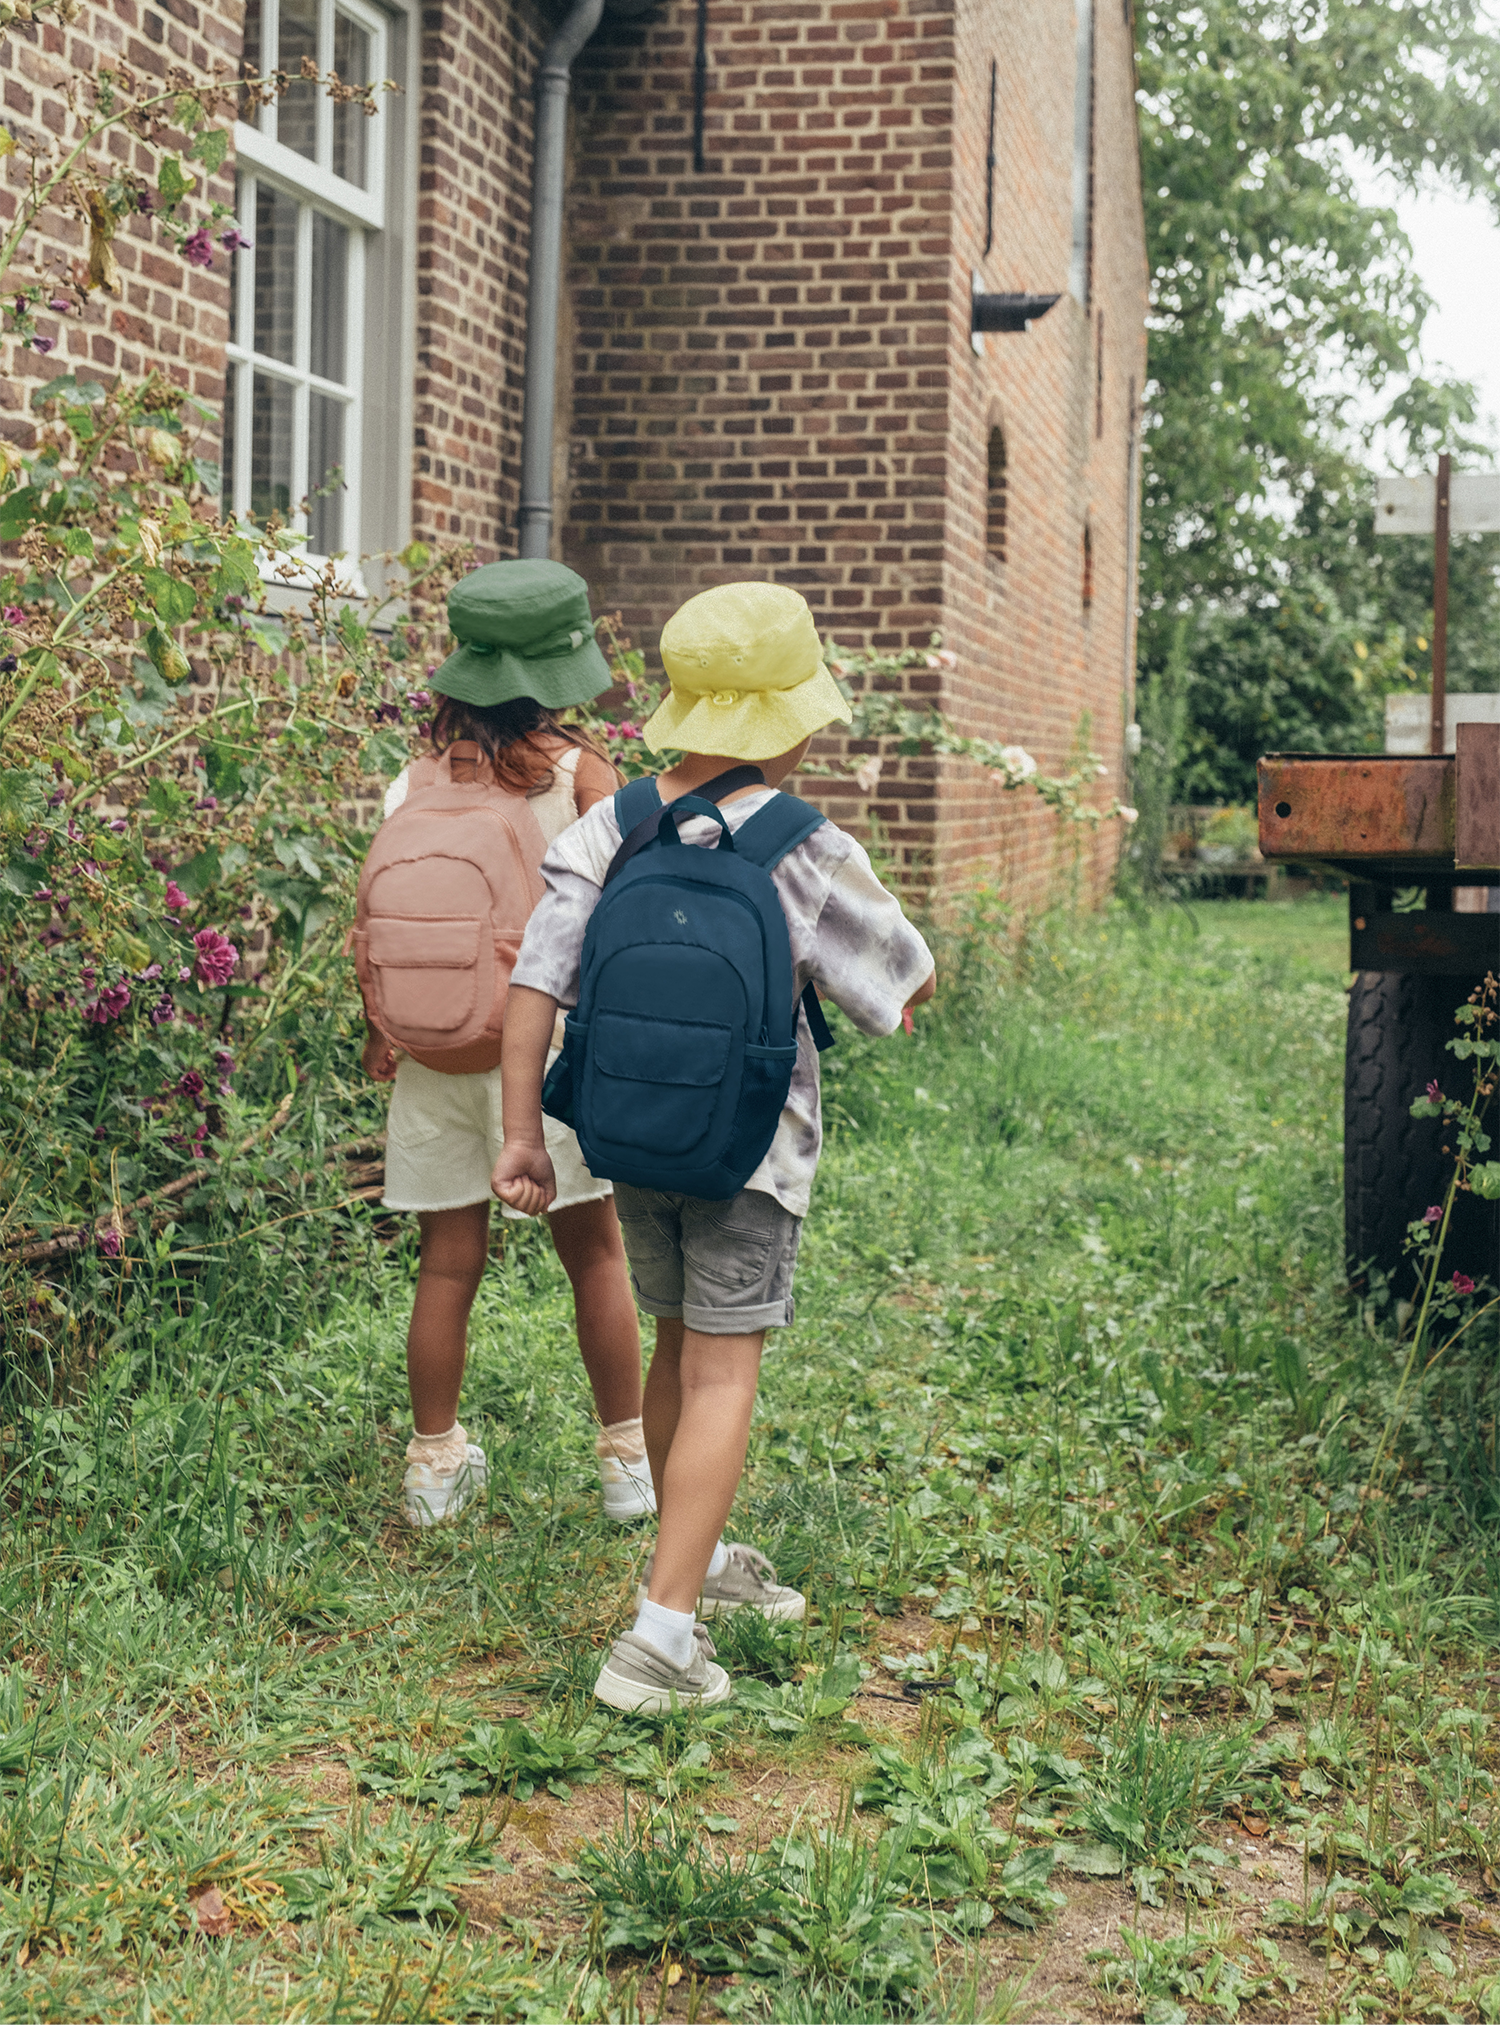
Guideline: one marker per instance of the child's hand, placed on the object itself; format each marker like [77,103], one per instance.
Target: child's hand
[379,1057]
[523,1178]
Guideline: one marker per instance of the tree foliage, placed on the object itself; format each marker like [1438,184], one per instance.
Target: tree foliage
[1285,309]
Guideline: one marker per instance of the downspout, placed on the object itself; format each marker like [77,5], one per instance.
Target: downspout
[549,159]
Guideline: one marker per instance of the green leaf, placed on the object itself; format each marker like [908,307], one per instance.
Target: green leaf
[223,767]
[386,753]
[166,800]
[173,181]
[210,148]
[25,875]
[199,873]
[1091,1859]
[237,572]
[78,541]
[1485,1180]
[174,600]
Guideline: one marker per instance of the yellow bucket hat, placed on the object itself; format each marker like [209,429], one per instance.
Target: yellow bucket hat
[747,675]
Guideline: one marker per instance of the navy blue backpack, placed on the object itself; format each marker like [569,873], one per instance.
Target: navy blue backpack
[679,1053]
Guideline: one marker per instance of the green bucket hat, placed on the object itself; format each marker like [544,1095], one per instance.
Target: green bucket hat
[524,629]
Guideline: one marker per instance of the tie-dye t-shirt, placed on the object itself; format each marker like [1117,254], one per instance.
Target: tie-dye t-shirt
[848,936]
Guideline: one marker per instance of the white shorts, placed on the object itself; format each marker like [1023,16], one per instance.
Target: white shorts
[444,1137]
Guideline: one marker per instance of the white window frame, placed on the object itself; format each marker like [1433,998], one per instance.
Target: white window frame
[262,158]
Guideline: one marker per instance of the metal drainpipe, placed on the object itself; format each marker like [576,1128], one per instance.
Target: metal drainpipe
[545,278]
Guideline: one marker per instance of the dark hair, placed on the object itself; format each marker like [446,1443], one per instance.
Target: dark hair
[509,735]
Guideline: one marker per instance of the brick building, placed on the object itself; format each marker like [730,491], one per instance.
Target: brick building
[766,358]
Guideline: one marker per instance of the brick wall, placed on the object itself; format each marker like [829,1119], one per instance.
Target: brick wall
[167,314]
[473,213]
[773,375]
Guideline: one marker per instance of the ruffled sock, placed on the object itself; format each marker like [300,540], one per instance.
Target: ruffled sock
[625,1440]
[444,1453]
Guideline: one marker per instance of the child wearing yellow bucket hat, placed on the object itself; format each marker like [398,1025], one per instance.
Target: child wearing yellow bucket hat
[748,692]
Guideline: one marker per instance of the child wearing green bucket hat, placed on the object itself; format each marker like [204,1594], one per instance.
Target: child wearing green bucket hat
[747,685]
[526,650]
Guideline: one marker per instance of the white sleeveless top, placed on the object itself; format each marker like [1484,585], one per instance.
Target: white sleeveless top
[554,810]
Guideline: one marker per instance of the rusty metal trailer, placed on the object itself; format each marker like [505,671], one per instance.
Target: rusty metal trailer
[1407,831]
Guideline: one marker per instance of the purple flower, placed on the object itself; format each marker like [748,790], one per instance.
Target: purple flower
[119,826]
[43,345]
[163,1010]
[1434,1092]
[198,248]
[15,615]
[190,1084]
[209,802]
[42,893]
[175,896]
[89,868]
[183,975]
[87,974]
[60,303]
[108,1242]
[224,1063]
[1462,1284]
[109,1005]
[143,203]
[151,971]
[63,902]
[424,729]
[56,798]
[1433,1213]
[387,713]
[217,956]
[419,699]
[234,241]
[7,664]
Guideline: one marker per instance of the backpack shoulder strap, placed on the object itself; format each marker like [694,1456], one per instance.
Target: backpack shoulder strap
[765,840]
[773,831]
[635,801]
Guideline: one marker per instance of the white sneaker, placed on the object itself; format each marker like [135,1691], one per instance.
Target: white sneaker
[430,1496]
[628,1490]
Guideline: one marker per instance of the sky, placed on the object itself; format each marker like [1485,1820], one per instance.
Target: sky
[1457,248]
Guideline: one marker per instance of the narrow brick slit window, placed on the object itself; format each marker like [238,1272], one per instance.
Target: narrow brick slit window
[310,196]
[1088,567]
[994,522]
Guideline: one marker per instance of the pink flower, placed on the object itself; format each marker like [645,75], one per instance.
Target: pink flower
[108,1242]
[15,615]
[198,248]
[190,1084]
[419,699]
[175,895]
[163,1010]
[217,956]
[209,802]
[628,730]
[152,970]
[1462,1284]
[183,975]
[43,345]
[1434,1092]
[61,304]
[1433,1213]
[109,1005]
[234,241]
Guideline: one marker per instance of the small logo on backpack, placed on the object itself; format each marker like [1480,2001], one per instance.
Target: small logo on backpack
[678,915]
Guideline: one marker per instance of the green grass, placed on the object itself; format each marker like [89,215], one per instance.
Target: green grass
[1075,1427]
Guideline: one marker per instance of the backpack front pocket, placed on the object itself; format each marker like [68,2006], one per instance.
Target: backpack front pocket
[425,973]
[632,1105]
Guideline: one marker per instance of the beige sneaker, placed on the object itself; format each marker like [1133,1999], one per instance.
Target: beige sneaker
[638,1678]
[746,1582]
[430,1493]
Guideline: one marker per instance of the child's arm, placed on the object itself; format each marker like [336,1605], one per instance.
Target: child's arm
[523,1175]
[925,991]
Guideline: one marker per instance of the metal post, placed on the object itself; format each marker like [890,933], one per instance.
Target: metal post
[1440,606]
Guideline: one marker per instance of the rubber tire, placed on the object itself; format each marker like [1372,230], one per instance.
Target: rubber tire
[1394,1164]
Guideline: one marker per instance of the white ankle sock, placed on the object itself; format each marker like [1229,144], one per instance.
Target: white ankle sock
[441,1452]
[623,1439]
[670,1631]
[718,1561]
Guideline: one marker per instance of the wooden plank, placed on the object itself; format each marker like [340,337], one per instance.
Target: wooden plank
[1392,806]
[1431,945]
[1477,821]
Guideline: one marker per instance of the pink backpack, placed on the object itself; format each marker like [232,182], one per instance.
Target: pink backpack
[444,898]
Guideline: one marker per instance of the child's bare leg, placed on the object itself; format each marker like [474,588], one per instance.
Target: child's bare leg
[710,1380]
[455,1243]
[587,1238]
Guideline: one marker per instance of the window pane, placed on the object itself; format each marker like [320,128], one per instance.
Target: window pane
[271,448]
[275,272]
[297,116]
[330,297]
[254,57]
[226,491]
[325,517]
[351,59]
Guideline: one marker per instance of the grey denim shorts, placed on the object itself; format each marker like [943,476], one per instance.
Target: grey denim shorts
[724,1268]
